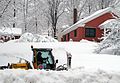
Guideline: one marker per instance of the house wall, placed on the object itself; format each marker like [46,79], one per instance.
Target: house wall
[79,36]
[92,24]
[96,22]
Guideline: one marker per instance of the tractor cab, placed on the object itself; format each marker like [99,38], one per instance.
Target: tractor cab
[43,58]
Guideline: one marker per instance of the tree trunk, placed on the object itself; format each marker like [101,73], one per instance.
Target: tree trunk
[54,33]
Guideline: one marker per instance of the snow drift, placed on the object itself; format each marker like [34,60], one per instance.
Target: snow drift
[78,75]
[29,37]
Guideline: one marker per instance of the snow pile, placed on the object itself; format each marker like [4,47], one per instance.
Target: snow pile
[78,75]
[13,52]
[29,37]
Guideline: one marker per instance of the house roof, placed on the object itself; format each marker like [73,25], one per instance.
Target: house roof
[81,23]
[10,31]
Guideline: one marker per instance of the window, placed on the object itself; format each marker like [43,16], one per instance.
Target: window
[64,38]
[68,36]
[90,32]
[75,33]
[46,54]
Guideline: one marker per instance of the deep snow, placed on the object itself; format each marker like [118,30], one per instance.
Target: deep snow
[82,54]
[77,75]
[87,67]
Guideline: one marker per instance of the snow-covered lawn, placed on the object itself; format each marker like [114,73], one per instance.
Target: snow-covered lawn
[87,67]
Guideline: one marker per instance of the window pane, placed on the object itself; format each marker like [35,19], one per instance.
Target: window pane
[90,32]
[68,36]
[75,33]
[64,37]
[46,54]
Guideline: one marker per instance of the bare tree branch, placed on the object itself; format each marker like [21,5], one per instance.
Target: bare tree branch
[53,13]
[5,8]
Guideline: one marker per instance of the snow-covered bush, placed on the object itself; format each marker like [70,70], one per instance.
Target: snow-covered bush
[112,41]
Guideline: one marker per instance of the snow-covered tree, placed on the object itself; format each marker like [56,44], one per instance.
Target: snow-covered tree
[54,11]
[113,38]
[5,14]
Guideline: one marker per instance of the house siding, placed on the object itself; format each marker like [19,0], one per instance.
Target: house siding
[99,20]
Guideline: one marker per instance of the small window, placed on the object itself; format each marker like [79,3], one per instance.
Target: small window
[64,38]
[90,32]
[68,36]
[75,33]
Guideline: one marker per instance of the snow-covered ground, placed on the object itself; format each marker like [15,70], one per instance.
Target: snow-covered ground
[87,67]
[77,75]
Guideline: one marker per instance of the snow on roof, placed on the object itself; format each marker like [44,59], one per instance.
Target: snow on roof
[8,31]
[81,23]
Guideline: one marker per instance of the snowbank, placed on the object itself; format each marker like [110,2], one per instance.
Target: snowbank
[13,52]
[78,75]
[29,37]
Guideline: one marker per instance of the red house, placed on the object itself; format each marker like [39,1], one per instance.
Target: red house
[88,28]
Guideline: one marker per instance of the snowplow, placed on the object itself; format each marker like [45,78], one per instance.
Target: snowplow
[16,66]
[44,58]
[25,66]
